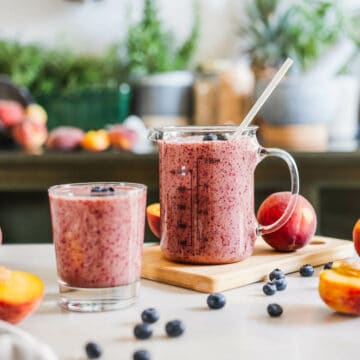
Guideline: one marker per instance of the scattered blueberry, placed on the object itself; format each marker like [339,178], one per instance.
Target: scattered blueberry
[143,331]
[174,328]
[328,265]
[150,316]
[274,310]
[276,274]
[141,355]
[216,301]
[102,189]
[93,350]
[280,284]
[269,288]
[210,137]
[306,270]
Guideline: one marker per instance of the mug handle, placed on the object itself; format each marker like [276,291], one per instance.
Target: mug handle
[294,177]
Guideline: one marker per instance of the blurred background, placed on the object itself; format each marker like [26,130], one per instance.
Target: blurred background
[82,81]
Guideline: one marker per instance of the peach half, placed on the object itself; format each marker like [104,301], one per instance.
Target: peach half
[356,237]
[339,287]
[20,294]
[153,218]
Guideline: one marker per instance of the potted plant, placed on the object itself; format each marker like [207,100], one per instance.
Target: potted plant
[75,89]
[306,102]
[156,66]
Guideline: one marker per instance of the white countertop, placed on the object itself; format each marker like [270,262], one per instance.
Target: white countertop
[241,330]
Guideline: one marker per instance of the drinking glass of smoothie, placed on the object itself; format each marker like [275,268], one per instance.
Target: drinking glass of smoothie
[98,233]
[207,192]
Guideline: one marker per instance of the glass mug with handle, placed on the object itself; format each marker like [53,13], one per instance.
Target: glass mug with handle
[207,192]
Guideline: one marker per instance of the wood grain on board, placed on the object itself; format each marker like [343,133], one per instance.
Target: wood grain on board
[214,278]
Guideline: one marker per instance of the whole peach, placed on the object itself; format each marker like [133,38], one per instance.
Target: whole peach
[299,229]
[11,113]
[356,236]
[30,135]
[122,138]
[65,138]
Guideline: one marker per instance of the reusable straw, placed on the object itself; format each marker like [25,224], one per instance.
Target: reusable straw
[264,96]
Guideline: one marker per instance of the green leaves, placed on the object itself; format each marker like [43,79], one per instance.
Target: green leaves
[303,30]
[150,47]
[45,71]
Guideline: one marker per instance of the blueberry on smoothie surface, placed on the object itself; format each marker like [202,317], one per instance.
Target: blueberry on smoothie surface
[328,265]
[141,355]
[174,328]
[274,310]
[222,137]
[306,270]
[143,331]
[102,189]
[150,316]
[93,350]
[216,301]
[210,137]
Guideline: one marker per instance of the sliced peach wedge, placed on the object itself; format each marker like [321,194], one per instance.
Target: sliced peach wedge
[153,218]
[20,294]
[339,287]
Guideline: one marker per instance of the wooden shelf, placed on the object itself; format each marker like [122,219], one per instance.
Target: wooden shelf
[24,180]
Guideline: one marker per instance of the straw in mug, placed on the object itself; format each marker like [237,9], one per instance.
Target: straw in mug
[264,96]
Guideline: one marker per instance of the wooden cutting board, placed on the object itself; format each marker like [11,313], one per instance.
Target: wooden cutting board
[214,278]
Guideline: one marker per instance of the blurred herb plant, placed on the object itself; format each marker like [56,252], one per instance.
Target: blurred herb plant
[45,71]
[301,29]
[151,48]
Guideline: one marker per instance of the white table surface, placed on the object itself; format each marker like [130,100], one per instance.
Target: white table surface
[241,330]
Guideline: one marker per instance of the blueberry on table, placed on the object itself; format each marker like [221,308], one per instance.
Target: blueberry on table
[143,331]
[141,355]
[216,301]
[274,310]
[210,137]
[280,283]
[306,270]
[93,350]
[276,274]
[150,316]
[328,265]
[269,288]
[174,328]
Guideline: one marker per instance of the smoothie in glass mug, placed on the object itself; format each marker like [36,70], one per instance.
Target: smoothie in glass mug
[207,192]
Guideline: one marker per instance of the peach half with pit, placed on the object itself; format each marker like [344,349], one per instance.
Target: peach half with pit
[339,287]
[20,294]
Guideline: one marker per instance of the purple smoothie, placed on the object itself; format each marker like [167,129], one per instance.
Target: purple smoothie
[207,199]
[98,237]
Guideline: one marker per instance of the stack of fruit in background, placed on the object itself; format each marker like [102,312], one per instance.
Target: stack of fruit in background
[26,127]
